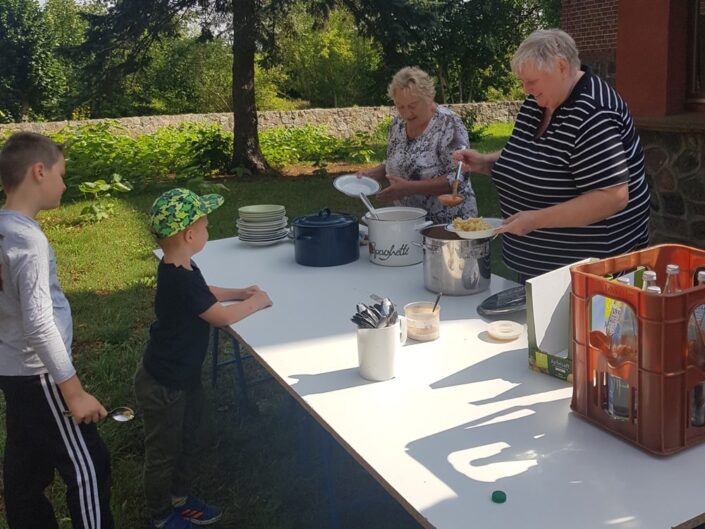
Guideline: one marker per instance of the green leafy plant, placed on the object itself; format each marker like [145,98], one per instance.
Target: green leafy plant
[469,116]
[101,206]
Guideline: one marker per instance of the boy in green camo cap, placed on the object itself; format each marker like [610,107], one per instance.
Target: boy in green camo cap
[168,381]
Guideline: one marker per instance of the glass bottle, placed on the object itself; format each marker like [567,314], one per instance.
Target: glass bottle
[621,331]
[697,399]
[648,279]
[672,286]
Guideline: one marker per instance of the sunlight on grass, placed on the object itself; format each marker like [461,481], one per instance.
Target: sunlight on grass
[252,467]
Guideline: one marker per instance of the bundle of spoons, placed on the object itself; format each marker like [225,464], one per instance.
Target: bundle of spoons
[375,316]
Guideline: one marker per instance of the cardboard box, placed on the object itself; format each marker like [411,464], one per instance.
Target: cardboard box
[548,320]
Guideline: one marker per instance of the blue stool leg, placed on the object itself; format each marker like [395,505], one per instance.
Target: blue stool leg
[240,374]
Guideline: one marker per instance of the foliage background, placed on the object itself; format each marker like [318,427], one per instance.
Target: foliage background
[66,59]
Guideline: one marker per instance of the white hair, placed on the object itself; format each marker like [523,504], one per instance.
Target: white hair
[543,48]
[413,79]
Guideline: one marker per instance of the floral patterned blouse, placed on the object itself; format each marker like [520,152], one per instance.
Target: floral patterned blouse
[429,156]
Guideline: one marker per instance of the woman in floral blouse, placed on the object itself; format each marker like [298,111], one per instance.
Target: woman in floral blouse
[422,138]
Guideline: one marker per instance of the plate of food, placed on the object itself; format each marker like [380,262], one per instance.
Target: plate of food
[474,227]
[352,185]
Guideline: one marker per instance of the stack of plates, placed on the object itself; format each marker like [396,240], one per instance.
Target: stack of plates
[262,224]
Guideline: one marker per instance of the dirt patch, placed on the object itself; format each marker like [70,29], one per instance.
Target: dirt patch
[332,169]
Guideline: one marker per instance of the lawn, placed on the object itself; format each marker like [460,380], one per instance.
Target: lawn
[266,469]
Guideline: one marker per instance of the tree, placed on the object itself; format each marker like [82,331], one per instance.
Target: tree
[30,76]
[119,43]
[332,65]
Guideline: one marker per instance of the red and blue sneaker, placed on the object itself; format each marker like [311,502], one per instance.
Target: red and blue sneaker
[198,512]
[174,521]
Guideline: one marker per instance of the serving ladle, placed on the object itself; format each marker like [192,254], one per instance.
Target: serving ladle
[453,199]
[369,206]
[119,414]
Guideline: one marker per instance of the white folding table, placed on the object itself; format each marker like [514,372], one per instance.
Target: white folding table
[464,417]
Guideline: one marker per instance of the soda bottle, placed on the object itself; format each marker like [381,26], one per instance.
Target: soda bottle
[648,279]
[672,286]
[621,330]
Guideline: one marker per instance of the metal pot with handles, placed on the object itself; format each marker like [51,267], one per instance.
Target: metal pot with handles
[453,265]
[395,235]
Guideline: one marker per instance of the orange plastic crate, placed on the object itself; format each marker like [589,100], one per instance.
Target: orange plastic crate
[663,375]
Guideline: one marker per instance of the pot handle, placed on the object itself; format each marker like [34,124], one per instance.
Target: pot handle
[324,213]
[424,224]
[427,248]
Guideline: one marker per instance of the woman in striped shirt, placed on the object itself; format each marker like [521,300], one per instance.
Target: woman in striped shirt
[571,178]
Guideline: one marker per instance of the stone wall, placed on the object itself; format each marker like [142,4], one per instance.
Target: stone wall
[341,122]
[675,167]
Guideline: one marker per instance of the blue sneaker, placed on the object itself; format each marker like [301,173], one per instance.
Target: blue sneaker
[198,512]
[174,521]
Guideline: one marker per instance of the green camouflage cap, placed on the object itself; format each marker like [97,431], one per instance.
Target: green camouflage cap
[177,209]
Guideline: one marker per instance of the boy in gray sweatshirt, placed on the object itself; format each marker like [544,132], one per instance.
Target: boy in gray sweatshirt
[50,418]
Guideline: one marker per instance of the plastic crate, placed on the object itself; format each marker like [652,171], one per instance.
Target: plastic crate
[662,374]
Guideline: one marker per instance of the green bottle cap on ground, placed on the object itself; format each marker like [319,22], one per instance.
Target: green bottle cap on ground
[499,496]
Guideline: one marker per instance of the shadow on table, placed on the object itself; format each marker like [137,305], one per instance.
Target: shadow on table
[554,467]
[313,384]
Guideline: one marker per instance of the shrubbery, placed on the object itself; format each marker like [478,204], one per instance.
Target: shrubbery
[95,152]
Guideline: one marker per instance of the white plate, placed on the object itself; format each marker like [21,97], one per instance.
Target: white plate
[263,236]
[352,185]
[261,210]
[264,243]
[479,234]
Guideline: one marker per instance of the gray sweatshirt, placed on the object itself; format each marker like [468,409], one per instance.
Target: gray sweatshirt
[35,317]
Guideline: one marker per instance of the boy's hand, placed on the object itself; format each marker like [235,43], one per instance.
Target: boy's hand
[261,299]
[250,291]
[84,407]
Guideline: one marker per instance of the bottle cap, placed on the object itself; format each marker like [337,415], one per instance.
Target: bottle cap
[499,496]
[672,269]
[649,275]
[701,276]
[653,289]
[625,280]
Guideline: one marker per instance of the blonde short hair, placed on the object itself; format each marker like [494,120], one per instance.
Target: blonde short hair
[413,79]
[543,48]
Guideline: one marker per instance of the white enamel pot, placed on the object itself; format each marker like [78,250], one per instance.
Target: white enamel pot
[395,235]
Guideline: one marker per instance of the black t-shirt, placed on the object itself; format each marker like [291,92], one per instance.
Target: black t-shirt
[178,340]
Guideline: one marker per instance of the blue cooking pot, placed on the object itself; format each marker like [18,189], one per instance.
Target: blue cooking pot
[326,239]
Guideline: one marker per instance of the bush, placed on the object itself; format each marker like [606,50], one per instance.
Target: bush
[469,116]
[282,146]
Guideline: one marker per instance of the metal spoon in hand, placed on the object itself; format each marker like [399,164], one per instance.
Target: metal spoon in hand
[119,414]
[454,199]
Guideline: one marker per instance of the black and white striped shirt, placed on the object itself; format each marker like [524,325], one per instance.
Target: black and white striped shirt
[590,143]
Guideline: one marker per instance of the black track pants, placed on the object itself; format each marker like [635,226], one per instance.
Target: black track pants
[39,440]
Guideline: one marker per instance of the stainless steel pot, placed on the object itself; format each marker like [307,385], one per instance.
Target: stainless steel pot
[453,265]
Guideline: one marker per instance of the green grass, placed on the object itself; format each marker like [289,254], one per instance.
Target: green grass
[266,469]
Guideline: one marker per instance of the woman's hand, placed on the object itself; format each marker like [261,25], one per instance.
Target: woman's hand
[475,161]
[377,172]
[398,188]
[520,223]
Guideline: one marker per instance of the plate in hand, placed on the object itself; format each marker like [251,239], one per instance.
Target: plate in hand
[477,234]
[352,185]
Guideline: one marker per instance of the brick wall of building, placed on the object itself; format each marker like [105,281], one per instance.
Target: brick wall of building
[593,25]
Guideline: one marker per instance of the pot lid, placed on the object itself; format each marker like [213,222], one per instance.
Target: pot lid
[324,218]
